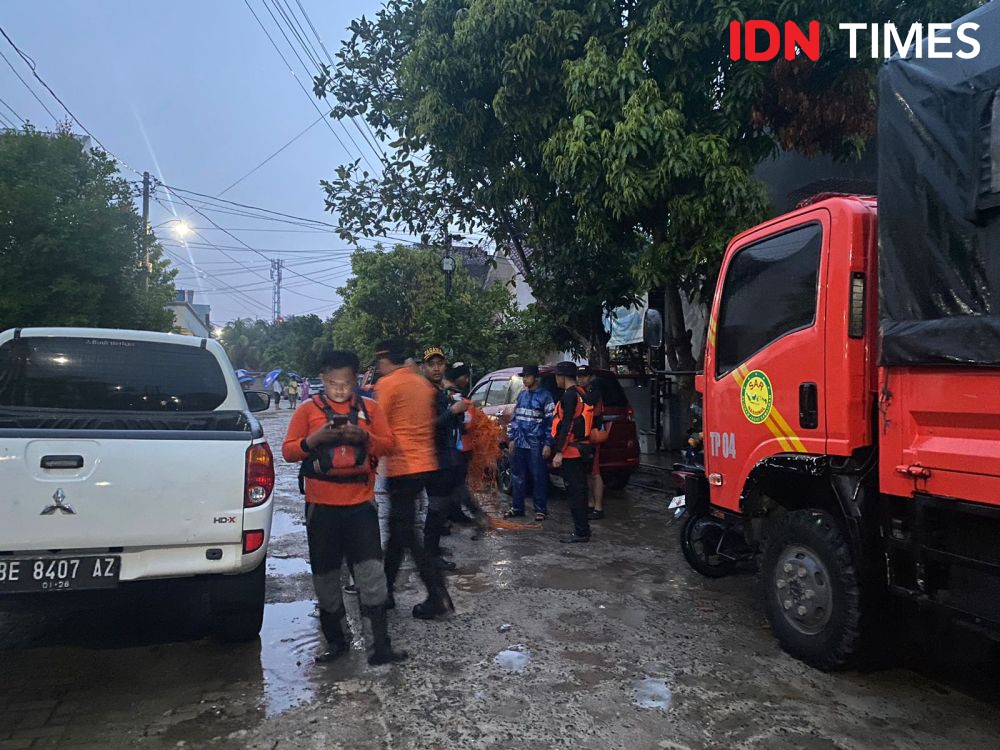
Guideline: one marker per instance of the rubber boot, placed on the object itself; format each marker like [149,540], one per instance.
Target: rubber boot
[438,602]
[381,652]
[334,627]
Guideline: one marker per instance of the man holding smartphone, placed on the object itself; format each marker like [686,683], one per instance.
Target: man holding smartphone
[337,436]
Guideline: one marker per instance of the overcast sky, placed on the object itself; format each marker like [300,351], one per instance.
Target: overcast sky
[194,92]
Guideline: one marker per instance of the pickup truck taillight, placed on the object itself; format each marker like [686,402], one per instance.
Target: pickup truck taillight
[260,475]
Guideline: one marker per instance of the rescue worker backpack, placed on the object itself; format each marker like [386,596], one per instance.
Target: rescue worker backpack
[342,463]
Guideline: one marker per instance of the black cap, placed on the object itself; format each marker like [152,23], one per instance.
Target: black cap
[528,370]
[457,370]
[567,368]
[584,370]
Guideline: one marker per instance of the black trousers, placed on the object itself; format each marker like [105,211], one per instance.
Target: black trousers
[403,493]
[350,532]
[440,490]
[574,473]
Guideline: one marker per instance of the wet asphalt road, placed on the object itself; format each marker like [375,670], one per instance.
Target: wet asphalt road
[608,645]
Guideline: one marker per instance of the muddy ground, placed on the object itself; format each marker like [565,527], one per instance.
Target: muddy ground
[614,644]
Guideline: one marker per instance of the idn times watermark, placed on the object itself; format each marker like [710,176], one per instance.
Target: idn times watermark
[760,41]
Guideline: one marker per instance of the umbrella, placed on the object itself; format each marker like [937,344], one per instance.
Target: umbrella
[294,376]
[271,377]
[246,378]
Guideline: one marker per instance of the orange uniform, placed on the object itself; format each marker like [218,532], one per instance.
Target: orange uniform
[307,419]
[407,400]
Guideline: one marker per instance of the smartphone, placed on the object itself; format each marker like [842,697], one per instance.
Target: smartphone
[339,420]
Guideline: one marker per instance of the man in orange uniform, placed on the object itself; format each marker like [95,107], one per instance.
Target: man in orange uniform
[338,435]
[567,435]
[407,400]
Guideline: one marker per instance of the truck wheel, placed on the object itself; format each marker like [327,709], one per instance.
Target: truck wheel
[700,538]
[811,589]
[238,605]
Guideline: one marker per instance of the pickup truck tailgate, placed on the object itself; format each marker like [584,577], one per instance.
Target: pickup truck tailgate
[113,490]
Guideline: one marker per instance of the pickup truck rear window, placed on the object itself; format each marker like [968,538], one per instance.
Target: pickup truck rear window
[87,374]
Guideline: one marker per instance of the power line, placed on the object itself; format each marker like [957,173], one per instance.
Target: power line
[292,71]
[247,298]
[289,143]
[37,98]
[329,59]
[296,219]
[31,64]
[12,111]
[248,247]
[305,67]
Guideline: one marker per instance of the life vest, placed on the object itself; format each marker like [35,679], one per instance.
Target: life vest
[341,463]
[583,419]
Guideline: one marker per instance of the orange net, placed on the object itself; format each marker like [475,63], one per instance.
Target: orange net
[484,435]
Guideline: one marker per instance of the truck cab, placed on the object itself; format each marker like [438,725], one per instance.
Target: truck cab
[789,367]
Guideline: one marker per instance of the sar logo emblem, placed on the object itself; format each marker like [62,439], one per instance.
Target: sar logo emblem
[756,397]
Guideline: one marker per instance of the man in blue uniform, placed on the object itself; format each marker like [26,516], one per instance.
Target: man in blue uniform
[529,438]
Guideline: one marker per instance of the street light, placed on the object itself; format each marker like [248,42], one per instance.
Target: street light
[181,228]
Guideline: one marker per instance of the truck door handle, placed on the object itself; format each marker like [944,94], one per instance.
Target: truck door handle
[62,462]
[808,406]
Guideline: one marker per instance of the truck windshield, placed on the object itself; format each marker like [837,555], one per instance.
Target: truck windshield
[106,374]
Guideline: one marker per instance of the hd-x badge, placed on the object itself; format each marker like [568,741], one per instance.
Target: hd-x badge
[59,496]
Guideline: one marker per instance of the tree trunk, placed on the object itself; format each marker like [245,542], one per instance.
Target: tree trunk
[679,353]
[597,350]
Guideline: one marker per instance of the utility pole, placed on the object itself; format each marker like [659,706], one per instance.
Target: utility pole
[276,265]
[448,266]
[145,225]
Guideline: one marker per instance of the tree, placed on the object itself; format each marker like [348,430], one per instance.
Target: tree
[263,346]
[71,240]
[613,137]
[400,295]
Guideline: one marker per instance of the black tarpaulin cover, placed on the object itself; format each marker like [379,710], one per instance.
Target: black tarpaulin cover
[939,202]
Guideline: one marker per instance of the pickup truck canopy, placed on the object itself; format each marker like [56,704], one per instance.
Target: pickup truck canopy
[939,202]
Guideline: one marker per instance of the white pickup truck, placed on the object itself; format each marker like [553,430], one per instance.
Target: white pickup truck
[127,456]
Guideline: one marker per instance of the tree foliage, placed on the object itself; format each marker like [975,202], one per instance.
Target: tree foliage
[71,240]
[400,295]
[293,345]
[608,144]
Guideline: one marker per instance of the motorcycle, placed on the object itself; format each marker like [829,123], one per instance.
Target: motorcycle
[711,546]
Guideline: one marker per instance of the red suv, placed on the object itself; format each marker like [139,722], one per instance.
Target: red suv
[496,395]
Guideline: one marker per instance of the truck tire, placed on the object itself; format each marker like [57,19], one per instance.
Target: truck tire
[238,605]
[811,589]
[700,536]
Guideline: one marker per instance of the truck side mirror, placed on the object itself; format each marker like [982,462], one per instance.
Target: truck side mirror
[257,400]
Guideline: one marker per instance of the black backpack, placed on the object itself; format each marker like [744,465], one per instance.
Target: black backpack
[339,463]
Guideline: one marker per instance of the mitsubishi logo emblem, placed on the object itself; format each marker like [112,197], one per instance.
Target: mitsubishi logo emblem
[59,496]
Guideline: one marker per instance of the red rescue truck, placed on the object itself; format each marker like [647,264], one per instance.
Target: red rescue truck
[851,382]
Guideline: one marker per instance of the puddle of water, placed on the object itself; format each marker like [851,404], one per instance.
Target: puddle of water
[283,524]
[288,641]
[514,659]
[652,692]
[287,566]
